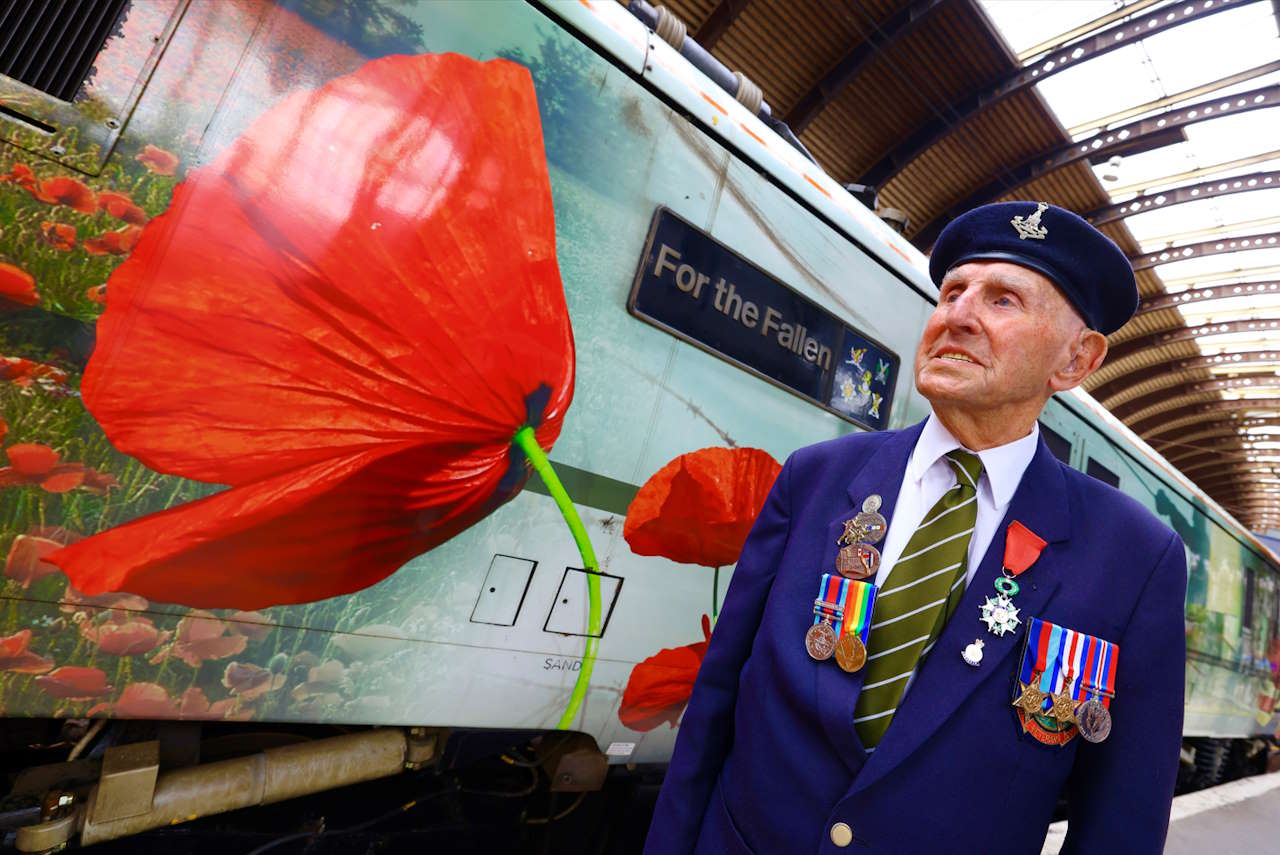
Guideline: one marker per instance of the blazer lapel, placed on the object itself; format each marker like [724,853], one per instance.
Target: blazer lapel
[945,681]
[837,690]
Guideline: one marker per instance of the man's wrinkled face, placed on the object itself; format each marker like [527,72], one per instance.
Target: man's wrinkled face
[998,334]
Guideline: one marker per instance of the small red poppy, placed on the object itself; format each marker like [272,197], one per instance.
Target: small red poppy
[32,463]
[699,508]
[349,342]
[124,634]
[26,563]
[202,636]
[17,285]
[141,700]
[4,426]
[158,160]
[15,657]
[71,192]
[75,683]
[59,235]
[248,681]
[659,687]
[121,207]
[195,704]
[119,242]
[97,294]
[21,174]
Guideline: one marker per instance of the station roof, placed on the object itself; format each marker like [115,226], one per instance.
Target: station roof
[1156,119]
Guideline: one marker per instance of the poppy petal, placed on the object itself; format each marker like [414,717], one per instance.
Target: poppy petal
[32,458]
[660,687]
[699,508]
[329,529]
[261,326]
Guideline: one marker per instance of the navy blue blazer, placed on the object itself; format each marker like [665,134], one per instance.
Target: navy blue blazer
[767,759]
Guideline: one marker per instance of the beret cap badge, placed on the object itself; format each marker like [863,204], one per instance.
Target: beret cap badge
[1030,227]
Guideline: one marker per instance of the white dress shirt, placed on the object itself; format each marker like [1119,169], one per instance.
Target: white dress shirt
[929,476]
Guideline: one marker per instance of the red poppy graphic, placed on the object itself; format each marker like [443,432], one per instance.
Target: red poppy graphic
[249,681]
[74,683]
[25,372]
[21,175]
[158,160]
[73,600]
[64,191]
[202,636]
[699,508]
[124,634]
[4,426]
[15,657]
[120,206]
[17,285]
[254,626]
[26,563]
[119,242]
[97,294]
[59,235]
[195,704]
[660,686]
[34,463]
[140,700]
[349,337]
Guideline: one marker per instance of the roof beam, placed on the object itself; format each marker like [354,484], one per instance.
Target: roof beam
[1181,195]
[881,38]
[718,22]
[1112,388]
[1163,422]
[1203,248]
[1169,100]
[1196,296]
[1191,174]
[1061,155]
[969,104]
[1169,393]
[1260,324]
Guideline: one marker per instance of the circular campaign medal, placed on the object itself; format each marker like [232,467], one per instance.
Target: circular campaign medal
[851,653]
[820,641]
[1093,720]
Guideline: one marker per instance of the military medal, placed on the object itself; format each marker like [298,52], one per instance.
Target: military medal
[841,621]
[1060,668]
[972,654]
[1021,549]
[855,626]
[858,557]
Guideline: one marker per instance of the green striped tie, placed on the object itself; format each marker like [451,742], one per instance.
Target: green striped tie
[919,596]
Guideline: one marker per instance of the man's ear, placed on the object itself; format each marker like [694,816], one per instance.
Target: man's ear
[1090,348]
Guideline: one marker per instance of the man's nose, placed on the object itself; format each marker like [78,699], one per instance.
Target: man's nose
[962,312]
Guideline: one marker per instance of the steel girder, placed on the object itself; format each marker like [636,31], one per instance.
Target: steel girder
[1181,195]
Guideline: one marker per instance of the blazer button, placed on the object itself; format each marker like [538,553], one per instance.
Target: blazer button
[841,834]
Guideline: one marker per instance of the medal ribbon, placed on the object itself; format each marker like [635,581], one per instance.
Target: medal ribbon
[833,592]
[860,601]
[1054,651]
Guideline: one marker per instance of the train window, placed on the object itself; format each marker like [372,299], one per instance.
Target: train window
[1058,444]
[52,46]
[1102,473]
[1250,582]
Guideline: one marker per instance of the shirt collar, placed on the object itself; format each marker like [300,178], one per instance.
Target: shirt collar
[1003,465]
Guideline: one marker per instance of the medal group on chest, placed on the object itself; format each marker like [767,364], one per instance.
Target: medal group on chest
[1066,678]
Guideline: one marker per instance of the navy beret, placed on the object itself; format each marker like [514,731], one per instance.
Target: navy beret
[1087,267]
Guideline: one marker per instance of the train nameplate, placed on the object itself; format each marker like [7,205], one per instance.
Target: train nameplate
[697,289]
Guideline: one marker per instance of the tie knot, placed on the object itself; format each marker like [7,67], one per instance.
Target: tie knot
[967,466]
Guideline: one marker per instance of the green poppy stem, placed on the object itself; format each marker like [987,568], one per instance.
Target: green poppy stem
[528,443]
[715,596]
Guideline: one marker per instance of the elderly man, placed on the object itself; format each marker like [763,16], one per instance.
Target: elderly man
[1020,636]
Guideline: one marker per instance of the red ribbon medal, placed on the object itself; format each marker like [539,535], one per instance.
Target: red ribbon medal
[1022,547]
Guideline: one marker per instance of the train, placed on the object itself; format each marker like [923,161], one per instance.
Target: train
[414,371]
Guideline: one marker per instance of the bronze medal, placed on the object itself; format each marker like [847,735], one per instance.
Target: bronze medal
[820,641]
[1093,720]
[858,561]
[871,526]
[851,653]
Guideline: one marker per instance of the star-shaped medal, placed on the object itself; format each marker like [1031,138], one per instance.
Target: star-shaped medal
[1000,615]
[1031,701]
[852,532]
[1064,708]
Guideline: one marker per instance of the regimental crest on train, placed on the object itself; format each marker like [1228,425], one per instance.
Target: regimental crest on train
[1029,227]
